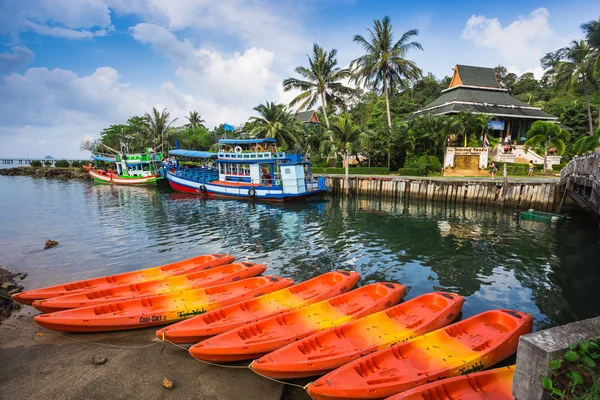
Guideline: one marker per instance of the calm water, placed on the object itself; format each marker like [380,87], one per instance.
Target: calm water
[484,255]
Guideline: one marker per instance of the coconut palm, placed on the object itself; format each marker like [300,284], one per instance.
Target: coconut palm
[592,35]
[544,134]
[577,69]
[345,137]
[384,66]
[320,82]
[194,119]
[587,143]
[276,122]
[158,123]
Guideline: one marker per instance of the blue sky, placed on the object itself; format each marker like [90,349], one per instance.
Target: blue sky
[70,68]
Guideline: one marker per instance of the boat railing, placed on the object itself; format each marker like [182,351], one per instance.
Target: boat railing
[265,155]
[202,175]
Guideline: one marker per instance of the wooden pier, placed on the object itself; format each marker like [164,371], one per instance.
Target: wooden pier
[542,195]
[581,180]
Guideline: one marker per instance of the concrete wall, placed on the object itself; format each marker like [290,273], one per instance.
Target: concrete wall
[537,349]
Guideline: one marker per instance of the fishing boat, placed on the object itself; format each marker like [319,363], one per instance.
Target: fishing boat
[244,168]
[127,169]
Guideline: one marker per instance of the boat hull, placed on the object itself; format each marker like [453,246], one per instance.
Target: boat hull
[210,277]
[462,348]
[183,267]
[269,334]
[122,180]
[247,191]
[163,309]
[231,317]
[328,350]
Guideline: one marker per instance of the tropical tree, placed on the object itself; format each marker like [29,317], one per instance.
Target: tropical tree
[545,134]
[578,68]
[383,66]
[276,122]
[158,123]
[194,119]
[311,138]
[587,143]
[471,125]
[345,137]
[320,82]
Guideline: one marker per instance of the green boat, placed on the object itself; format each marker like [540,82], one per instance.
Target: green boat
[532,215]
[129,169]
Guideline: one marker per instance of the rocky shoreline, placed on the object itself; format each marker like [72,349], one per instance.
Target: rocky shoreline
[8,287]
[47,172]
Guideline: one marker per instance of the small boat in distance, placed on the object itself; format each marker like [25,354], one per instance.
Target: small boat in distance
[129,169]
[244,168]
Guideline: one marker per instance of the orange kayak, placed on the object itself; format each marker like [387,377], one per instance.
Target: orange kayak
[458,349]
[211,277]
[261,337]
[177,268]
[328,350]
[142,312]
[494,384]
[223,319]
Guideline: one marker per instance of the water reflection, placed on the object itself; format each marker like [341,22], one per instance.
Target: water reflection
[480,253]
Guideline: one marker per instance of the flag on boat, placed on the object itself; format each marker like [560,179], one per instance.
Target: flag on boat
[228,127]
[486,142]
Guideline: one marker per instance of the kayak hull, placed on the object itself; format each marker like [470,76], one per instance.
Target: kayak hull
[143,312]
[177,268]
[227,318]
[493,384]
[261,337]
[330,349]
[210,277]
[462,348]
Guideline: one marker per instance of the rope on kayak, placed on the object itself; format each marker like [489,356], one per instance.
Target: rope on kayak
[277,380]
[202,361]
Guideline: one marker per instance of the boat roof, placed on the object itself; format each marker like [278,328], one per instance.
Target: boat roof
[103,158]
[247,141]
[192,153]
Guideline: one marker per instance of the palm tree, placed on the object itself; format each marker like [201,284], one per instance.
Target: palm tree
[194,119]
[587,143]
[321,82]
[578,68]
[471,124]
[276,122]
[345,136]
[544,134]
[158,123]
[384,66]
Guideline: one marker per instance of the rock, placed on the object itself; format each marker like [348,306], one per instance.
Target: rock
[40,334]
[4,295]
[167,383]
[6,313]
[50,244]
[24,275]
[14,291]
[99,360]
[8,286]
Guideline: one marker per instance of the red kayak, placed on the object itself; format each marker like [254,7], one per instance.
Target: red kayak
[493,384]
[462,348]
[210,277]
[261,337]
[330,349]
[177,268]
[143,312]
[223,319]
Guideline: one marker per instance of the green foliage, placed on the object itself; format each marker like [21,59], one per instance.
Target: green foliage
[587,143]
[47,163]
[277,122]
[35,163]
[354,171]
[576,374]
[418,171]
[62,164]
[76,164]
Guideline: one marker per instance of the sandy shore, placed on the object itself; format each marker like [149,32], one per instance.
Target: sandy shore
[43,364]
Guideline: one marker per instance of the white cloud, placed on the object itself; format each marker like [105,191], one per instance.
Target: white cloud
[521,43]
[58,31]
[19,57]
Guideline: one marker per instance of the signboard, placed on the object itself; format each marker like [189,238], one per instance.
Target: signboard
[465,151]
[496,125]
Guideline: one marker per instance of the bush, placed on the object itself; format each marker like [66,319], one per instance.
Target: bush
[517,168]
[47,163]
[76,164]
[339,164]
[62,164]
[420,171]
[35,163]
[354,171]
[434,164]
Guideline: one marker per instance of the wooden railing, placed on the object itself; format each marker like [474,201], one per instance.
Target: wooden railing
[581,179]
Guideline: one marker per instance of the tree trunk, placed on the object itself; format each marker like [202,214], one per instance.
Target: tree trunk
[324,106]
[347,178]
[545,156]
[387,101]
[587,102]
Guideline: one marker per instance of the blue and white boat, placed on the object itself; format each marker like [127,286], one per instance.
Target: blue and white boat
[244,168]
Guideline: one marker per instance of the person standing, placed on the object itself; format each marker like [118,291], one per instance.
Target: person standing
[494,169]
[530,174]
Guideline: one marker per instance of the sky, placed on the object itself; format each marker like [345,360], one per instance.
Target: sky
[70,68]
